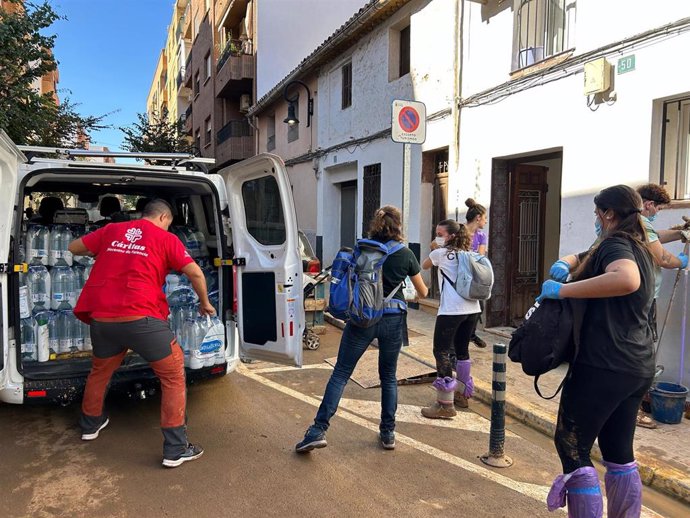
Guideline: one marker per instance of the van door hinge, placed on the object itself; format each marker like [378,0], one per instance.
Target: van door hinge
[235,261]
[14,268]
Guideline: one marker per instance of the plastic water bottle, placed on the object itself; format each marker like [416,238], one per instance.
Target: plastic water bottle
[189,343]
[60,238]
[62,284]
[200,239]
[38,281]
[53,335]
[28,332]
[78,334]
[182,295]
[43,335]
[172,281]
[37,243]
[79,279]
[65,328]
[220,353]
[88,346]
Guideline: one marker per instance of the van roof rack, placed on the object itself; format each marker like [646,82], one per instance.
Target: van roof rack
[71,153]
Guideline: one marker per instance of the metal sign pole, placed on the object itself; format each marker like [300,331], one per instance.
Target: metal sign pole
[407,152]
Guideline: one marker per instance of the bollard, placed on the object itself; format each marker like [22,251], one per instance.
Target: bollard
[496,456]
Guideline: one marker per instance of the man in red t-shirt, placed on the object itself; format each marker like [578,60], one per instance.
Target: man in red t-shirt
[124,303]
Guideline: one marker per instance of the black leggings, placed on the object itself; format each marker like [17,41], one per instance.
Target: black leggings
[452,334]
[598,403]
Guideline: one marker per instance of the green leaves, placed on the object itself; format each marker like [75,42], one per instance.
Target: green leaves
[26,56]
[155,134]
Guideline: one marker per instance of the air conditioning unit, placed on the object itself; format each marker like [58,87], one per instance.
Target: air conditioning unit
[245,102]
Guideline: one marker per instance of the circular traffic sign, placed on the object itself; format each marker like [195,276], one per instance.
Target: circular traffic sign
[409,119]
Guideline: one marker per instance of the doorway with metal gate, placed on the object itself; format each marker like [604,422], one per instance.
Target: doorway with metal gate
[524,232]
[435,175]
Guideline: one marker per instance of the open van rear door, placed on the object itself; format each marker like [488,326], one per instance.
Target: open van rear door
[268,285]
[10,157]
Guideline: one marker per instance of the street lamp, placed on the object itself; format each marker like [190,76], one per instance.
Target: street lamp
[291,118]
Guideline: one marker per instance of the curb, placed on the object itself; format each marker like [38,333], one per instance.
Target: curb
[664,479]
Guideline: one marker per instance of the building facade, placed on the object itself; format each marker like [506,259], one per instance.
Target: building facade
[559,100]
[205,77]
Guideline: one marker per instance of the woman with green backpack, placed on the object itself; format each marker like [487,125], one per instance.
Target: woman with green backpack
[455,322]
[385,231]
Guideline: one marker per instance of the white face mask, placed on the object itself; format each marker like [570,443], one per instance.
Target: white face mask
[440,241]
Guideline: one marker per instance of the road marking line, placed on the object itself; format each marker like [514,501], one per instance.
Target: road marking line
[534,491]
[286,368]
[468,421]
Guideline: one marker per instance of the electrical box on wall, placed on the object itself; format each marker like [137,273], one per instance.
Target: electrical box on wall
[597,76]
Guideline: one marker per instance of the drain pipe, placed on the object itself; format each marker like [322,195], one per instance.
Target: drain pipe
[457,94]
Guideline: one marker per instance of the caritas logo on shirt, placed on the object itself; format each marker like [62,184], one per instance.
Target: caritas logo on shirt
[129,247]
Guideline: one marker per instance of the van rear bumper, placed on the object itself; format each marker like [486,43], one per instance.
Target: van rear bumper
[133,383]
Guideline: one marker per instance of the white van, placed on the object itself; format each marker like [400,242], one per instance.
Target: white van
[247,218]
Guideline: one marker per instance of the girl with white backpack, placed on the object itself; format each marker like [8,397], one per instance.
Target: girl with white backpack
[455,322]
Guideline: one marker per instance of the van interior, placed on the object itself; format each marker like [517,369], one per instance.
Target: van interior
[88,199]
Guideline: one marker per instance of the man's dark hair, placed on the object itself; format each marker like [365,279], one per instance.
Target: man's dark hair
[156,207]
[654,192]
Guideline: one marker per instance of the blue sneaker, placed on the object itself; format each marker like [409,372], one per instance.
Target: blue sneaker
[313,438]
[387,440]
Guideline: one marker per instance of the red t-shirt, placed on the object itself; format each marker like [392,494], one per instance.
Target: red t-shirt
[132,260]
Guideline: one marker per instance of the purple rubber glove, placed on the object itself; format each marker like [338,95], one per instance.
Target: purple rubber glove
[550,290]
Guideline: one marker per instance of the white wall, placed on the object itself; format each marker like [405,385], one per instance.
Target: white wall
[614,144]
[431,80]
[289,30]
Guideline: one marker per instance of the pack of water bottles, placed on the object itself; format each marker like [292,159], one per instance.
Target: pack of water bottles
[202,338]
[48,293]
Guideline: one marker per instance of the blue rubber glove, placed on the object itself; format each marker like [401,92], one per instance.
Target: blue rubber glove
[550,290]
[560,271]
[683,260]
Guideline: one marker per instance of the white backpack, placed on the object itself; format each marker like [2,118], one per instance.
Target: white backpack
[475,276]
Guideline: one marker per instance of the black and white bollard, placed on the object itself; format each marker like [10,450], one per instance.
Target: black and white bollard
[496,456]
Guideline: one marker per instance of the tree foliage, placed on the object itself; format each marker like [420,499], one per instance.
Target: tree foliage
[26,55]
[155,134]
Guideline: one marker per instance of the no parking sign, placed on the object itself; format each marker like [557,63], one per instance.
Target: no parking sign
[408,124]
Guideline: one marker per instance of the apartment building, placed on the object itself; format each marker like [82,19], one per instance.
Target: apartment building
[205,77]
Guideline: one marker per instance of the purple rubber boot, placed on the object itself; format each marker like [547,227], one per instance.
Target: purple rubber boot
[623,490]
[581,491]
[465,382]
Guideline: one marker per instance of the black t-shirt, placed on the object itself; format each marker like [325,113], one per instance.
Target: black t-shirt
[399,265]
[615,331]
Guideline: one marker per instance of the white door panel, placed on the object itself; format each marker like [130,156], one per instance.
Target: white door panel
[270,312]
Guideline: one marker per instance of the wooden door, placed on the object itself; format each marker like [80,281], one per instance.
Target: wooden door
[439,208]
[527,215]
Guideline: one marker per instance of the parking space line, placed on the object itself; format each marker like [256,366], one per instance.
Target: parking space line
[533,491]
[286,368]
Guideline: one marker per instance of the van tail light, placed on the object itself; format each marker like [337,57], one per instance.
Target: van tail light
[314,266]
[217,370]
[36,393]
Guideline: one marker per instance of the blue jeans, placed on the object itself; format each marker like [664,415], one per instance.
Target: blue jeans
[354,342]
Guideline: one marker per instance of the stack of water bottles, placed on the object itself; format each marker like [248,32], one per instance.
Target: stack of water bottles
[202,338]
[50,289]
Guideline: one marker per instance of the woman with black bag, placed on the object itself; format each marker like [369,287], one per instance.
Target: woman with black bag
[615,363]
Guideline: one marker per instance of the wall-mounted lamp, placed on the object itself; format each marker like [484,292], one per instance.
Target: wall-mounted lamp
[292,116]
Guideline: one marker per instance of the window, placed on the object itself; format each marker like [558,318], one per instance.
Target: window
[196,26]
[207,66]
[207,131]
[271,133]
[371,194]
[293,129]
[197,140]
[263,210]
[347,86]
[404,67]
[543,28]
[197,83]
[675,151]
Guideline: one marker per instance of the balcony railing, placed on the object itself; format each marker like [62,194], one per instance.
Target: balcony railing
[233,48]
[234,128]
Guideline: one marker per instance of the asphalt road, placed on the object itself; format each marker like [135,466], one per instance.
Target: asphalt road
[248,423]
